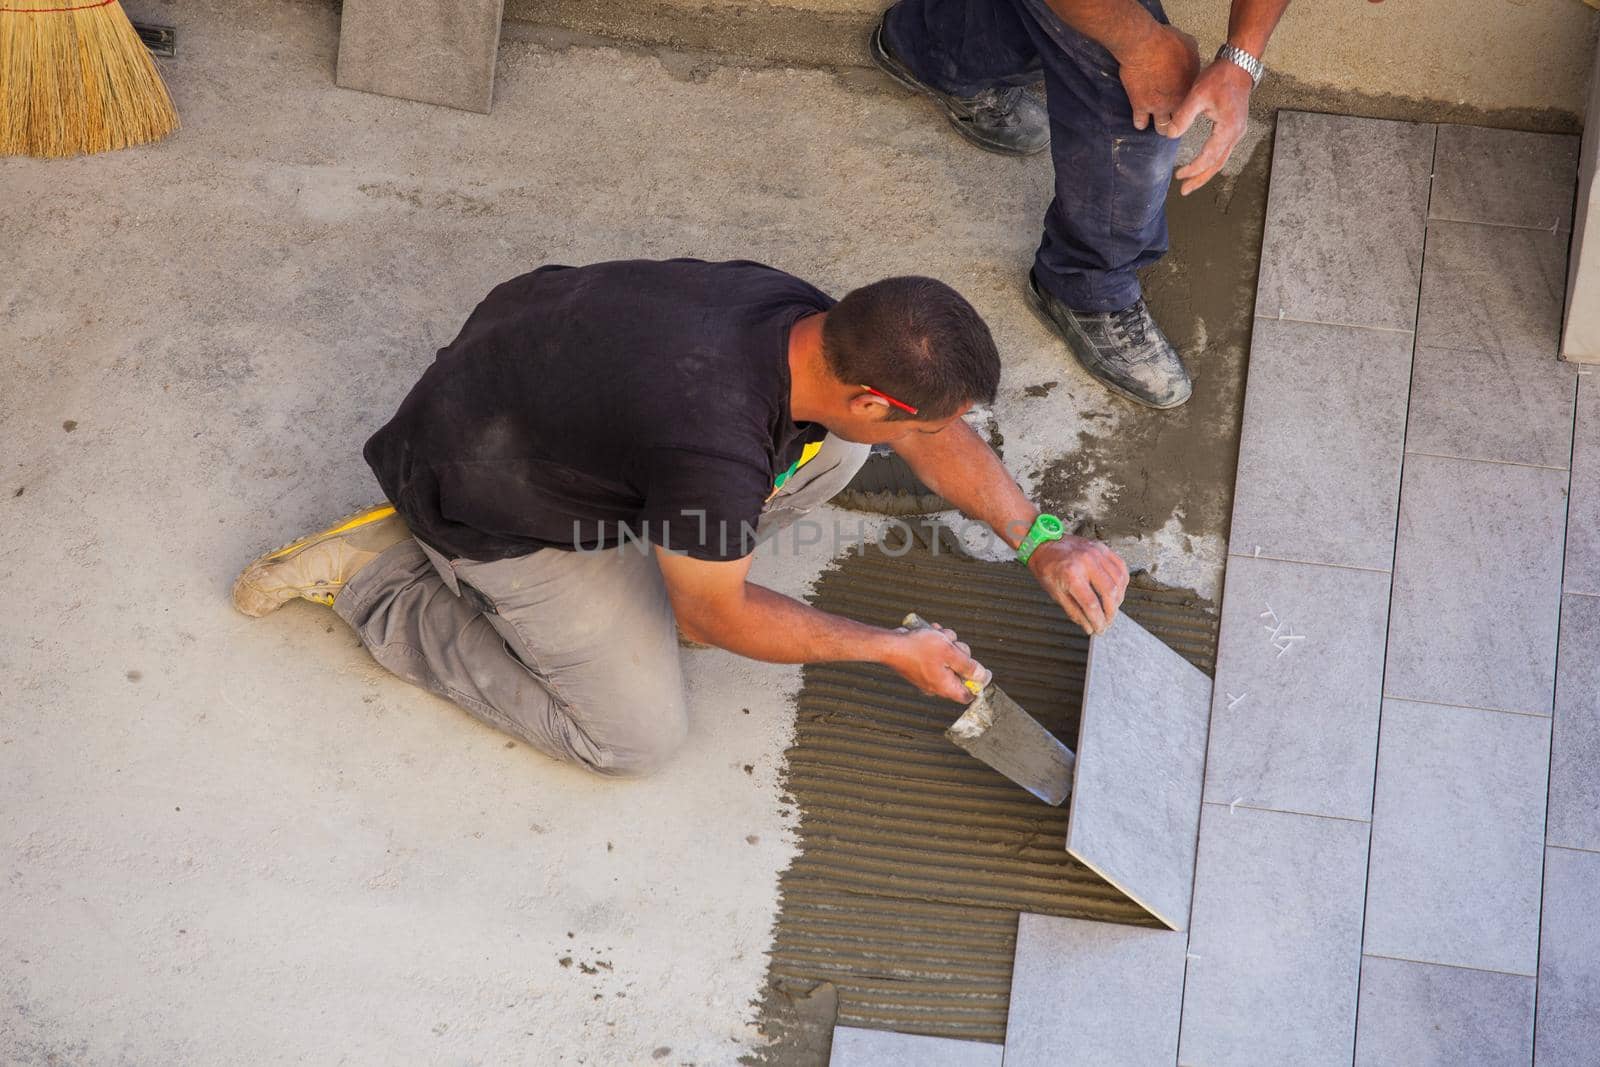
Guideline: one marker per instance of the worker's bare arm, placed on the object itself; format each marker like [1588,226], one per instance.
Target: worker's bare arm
[1251,22]
[1085,577]
[1222,92]
[1158,63]
[717,604]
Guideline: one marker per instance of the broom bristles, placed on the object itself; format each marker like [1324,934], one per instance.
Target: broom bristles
[75,78]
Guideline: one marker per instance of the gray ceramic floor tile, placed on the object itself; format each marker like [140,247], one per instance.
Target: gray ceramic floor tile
[1458,837]
[1492,289]
[855,1047]
[1575,735]
[1583,514]
[1507,177]
[1477,585]
[1294,713]
[1275,945]
[1423,1015]
[1345,218]
[1090,994]
[1510,407]
[1320,448]
[1568,1031]
[435,51]
[1141,758]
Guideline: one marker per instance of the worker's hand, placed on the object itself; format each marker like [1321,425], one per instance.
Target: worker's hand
[1085,577]
[935,662]
[1221,94]
[1157,74]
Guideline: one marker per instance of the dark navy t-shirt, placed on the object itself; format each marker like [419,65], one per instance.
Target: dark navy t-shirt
[579,401]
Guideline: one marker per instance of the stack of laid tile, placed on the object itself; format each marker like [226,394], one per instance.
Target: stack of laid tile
[1276,940]
[1568,1029]
[1454,884]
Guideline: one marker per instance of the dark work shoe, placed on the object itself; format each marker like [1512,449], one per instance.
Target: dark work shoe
[1007,120]
[1125,349]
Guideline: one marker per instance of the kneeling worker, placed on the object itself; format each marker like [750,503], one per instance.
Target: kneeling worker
[583,472]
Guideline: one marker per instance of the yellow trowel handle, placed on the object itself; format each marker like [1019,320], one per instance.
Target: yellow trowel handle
[913,621]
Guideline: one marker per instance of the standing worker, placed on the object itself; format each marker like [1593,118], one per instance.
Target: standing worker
[1122,85]
[581,475]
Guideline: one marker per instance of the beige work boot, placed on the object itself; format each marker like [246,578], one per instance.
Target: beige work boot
[316,567]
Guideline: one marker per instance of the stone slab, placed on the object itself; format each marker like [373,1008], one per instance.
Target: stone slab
[435,51]
[1135,806]
[1458,837]
[1299,683]
[1424,1015]
[1574,817]
[1092,993]
[1580,339]
[1275,944]
[1504,177]
[1321,444]
[1583,510]
[1492,289]
[1568,1030]
[1345,216]
[857,1047]
[1477,585]
[1509,407]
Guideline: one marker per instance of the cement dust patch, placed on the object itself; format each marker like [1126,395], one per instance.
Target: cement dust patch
[915,858]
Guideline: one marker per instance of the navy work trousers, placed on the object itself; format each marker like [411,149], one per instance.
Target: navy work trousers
[1108,217]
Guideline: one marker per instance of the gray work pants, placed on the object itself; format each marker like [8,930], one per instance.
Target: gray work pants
[575,653]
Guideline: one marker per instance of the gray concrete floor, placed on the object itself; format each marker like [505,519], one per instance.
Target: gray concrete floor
[227,840]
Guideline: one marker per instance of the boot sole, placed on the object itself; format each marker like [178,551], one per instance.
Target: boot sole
[1036,302]
[250,601]
[903,77]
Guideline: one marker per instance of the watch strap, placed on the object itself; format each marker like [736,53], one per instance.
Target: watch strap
[1045,528]
[1245,61]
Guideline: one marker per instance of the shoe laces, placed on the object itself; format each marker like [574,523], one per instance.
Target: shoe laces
[1130,323]
[996,106]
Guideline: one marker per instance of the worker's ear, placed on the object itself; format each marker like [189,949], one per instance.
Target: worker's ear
[865,405]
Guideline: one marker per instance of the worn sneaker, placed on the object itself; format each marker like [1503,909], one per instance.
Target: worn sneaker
[316,567]
[1007,120]
[1125,349]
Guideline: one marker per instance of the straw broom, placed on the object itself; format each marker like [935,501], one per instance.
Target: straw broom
[75,78]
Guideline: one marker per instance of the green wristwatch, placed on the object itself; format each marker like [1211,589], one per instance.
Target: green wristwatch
[1045,528]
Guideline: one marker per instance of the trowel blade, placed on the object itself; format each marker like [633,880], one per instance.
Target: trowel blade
[997,731]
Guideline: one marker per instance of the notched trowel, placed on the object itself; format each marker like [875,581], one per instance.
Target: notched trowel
[996,730]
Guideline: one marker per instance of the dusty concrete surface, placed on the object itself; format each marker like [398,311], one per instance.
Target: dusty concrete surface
[1499,55]
[230,841]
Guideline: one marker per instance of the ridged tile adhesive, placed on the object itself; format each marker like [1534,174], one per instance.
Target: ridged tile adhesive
[901,908]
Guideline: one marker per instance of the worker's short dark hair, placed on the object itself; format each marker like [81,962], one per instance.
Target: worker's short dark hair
[916,339]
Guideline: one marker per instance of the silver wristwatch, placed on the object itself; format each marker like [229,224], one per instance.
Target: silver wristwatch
[1244,60]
